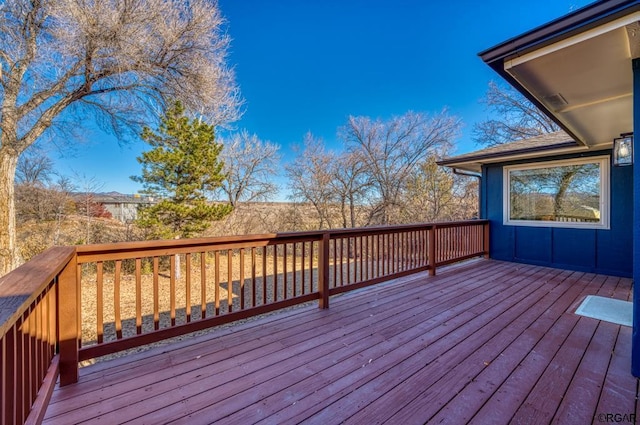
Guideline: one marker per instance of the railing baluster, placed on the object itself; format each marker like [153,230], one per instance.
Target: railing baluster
[302,266]
[275,272]
[99,303]
[216,282]
[116,299]
[405,251]
[242,296]
[203,284]
[264,275]
[44,332]
[229,280]
[335,262]
[399,256]
[253,277]
[360,255]
[20,373]
[38,346]
[378,257]
[391,250]
[349,256]
[53,319]
[402,251]
[138,296]
[425,246]
[295,273]
[311,266]
[284,272]
[8,383]
[366,257]
[394,252]
[172,289]
[156,294]
[187,286]
[32,359]
[341,240]
[413,249]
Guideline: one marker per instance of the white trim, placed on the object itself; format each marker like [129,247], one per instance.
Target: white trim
[605,203]
[610,26]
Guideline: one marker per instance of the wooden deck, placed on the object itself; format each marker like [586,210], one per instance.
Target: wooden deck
[484,342]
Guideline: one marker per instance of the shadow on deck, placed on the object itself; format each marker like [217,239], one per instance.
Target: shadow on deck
[482,342]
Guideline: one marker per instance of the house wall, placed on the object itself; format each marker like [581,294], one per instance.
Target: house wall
[593,250]
[123,212]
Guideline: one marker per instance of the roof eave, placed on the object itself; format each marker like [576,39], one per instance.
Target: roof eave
[474,163]
[580,20]
[583,19]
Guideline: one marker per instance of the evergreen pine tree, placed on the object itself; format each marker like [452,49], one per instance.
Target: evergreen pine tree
[181,170]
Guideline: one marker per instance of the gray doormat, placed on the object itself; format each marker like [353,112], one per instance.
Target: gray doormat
[608,309]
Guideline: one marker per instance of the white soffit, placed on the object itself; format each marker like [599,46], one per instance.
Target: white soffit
[579,38]
[586,80]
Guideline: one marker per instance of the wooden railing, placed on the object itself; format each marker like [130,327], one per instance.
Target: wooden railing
[75,303]
[31,334]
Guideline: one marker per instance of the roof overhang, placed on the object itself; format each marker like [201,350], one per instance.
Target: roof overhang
[578,70]
[474,163]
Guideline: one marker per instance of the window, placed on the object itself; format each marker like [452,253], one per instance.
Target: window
[572,193]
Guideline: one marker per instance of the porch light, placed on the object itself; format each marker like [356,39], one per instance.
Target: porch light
[623,150]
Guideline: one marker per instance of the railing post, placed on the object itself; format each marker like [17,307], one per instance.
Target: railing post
[485,241]
[432,250]
[68,322]
[323,270]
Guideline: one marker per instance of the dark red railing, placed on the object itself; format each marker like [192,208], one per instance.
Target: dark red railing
[31,334]
[75,303]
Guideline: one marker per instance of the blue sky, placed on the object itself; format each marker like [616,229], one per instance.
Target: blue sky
[306,65]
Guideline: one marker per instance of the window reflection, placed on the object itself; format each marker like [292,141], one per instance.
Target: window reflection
[564,193]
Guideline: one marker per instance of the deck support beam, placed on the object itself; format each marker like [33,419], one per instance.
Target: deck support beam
[323,271]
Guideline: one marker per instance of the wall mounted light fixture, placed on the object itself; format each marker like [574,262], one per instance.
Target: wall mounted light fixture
[623,150]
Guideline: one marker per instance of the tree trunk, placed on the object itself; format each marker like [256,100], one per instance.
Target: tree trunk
[8,251]
[565,181]
[352,211]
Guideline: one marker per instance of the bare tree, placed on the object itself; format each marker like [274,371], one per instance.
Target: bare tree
[121,61]
[435,193]
[34,168]
[351,184]
[248,167]
[392,149]
[35,201]
[37,196]
[311,179]
[430,192]
[516,118]
[86,204]
[63,188]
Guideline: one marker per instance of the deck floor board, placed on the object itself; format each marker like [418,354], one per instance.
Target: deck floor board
[483,342]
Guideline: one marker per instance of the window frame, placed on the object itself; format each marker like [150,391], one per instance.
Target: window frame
[605,201]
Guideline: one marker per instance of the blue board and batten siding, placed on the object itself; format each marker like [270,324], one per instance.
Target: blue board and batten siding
[593,250]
